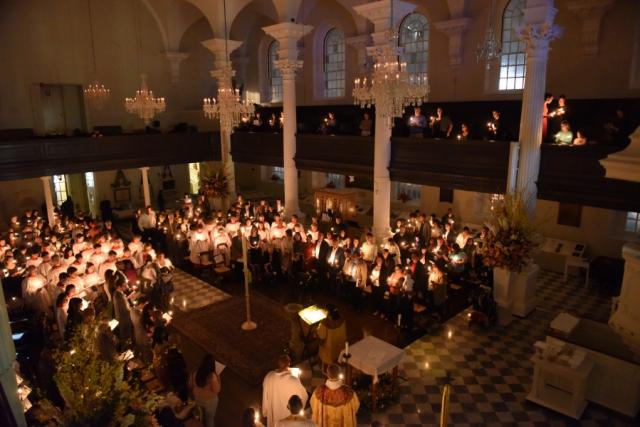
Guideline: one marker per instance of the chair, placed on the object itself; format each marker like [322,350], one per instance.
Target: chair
[578,263]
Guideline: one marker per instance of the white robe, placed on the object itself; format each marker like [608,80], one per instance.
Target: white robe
[277,388]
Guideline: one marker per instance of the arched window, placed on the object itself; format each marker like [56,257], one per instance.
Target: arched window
[334,67]
[414,38]
[275,79]
[513,49]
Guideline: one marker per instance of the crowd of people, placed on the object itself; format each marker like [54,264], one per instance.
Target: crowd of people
[81,269]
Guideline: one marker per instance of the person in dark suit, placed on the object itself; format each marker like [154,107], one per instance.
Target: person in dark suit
[419,275]
[335,262]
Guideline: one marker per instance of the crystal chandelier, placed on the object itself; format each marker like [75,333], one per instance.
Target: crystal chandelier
[229,106]
[391,87]
[95,93]
[489,49]
[144,104]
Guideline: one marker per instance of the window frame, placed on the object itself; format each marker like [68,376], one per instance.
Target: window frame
[339,74]
[274,76]
[404,25]
[512,63]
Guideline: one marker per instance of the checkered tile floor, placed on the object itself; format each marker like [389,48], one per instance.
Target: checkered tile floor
[490,369]
[191,293]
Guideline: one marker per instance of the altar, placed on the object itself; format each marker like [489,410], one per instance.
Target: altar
[341,201]
[374,357]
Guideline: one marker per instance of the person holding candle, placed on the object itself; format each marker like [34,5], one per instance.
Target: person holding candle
[417,124]
[333,403]
[277,389]
[441,126]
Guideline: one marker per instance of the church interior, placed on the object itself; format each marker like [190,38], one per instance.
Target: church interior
[320,213]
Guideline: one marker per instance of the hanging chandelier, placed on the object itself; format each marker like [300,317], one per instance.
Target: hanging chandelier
[229,106]
[144,104]
[391,87]
[489,49]
[96,94]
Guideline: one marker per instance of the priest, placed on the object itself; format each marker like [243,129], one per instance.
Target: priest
[333,403]
[277,389]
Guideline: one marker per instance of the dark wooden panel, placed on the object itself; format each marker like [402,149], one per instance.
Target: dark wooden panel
[257,148]
[347,155]
[49,156]
[574,175]
[464,165]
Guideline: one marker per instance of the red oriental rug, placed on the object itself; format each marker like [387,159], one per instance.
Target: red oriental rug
[250,354]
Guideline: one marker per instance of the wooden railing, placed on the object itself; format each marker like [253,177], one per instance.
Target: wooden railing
[48,156]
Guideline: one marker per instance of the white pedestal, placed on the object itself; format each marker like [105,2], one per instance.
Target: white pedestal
[515,292]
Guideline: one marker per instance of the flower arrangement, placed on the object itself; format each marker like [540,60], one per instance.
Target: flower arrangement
[215,186]
[513,235]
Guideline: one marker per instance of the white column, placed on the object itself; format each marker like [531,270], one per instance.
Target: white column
[175,58]
[379,13]
[288,34]
[145,185]
[48,199]
[221,50]
[381,180]
[537,32]
[7,359]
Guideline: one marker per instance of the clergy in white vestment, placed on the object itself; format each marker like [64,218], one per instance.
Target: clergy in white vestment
[277,389]
[297,417]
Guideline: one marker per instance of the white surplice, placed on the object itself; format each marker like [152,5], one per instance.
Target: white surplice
[277,388]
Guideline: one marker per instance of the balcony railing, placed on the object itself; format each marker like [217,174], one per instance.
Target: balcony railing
[48,156]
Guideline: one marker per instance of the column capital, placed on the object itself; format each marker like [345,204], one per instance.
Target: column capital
[538,36]
[144,168]
[223,74]
[175,58]
[45,178]
[221,49]
[287,34]
[454,29]
[379,13]
[590,13]
[288,67]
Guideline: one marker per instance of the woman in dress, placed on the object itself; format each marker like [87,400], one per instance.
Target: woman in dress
[206,388]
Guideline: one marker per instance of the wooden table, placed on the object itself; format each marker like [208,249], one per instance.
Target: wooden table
[374,357]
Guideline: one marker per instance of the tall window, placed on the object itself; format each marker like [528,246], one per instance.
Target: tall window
[278,172]
[336,179]
[275,78]
[334,67]
[414,38]
[60,188]
[513,49]
[633,222]
[408,192]
[90,182]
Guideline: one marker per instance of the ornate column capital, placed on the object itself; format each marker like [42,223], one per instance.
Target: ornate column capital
[288,34]
[454,29]
[288,67]
[538,36]
[223,74]
[221,50]
[379,12]
[360,43]
[45,178]
[590,13]
[175,59]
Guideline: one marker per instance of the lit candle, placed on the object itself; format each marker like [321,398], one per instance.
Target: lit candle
[399,319]
[346,347]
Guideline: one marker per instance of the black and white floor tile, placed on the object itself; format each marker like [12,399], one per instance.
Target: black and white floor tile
[191,293]
[490,369]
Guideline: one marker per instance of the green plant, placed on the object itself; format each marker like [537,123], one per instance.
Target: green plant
[95,391]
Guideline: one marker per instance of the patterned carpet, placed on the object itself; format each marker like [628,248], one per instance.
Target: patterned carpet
[490,368]
[250,354]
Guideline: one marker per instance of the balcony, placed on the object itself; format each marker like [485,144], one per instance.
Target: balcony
[574,175]
[48,156]
[480,166]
